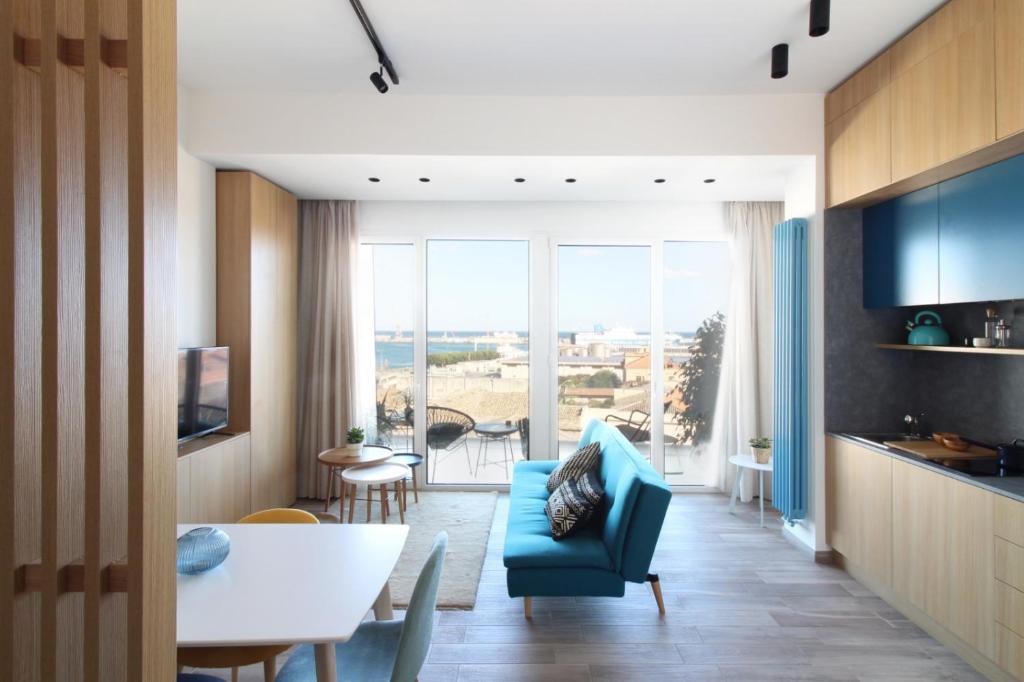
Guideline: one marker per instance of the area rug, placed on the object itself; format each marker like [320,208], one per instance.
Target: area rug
[467,518]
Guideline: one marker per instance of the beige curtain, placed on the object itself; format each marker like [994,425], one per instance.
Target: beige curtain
[744,404]
[327,391]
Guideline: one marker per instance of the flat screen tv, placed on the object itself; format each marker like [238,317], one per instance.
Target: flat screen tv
[202,391]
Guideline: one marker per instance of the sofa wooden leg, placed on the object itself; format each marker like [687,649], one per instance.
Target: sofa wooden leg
[528,607]
[652,578]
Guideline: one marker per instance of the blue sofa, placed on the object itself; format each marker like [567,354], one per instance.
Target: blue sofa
[597,561]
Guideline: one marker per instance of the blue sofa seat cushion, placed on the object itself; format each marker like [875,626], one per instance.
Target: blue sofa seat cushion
[531,479]
[528,542]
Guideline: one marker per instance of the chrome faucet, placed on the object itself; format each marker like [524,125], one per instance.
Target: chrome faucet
[913,424]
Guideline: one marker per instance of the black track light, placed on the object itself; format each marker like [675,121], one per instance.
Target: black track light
[780,60]
[819,18]
[377,78]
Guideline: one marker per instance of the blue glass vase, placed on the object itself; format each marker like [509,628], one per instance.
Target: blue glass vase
[201,549]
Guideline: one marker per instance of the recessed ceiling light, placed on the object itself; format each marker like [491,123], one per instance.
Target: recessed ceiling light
[570,180]
[520,179]
[424,179]
[658,181]
[708,181]
[374,179]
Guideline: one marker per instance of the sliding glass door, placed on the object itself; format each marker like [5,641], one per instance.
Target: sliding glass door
[477,359]
[604,342]
[628,334]
[695,278]
[393,271]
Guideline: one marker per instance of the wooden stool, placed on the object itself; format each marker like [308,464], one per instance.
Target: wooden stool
[338,459]
[411,460]
[376,475]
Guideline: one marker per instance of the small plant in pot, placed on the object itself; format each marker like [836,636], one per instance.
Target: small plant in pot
[355,438]
[761,449]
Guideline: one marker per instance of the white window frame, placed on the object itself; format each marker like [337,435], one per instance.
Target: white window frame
[543,321]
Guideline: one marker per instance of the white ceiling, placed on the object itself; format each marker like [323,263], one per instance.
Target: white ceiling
[532,47]
[465,178]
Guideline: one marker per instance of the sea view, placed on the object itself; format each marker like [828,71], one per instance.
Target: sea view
[396,352]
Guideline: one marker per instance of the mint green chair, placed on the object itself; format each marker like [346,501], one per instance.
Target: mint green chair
[383,650]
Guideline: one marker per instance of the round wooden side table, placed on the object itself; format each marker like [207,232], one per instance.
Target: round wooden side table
[338,459]
[376,475]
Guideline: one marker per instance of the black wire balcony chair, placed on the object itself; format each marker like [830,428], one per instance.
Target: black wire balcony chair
[447,429]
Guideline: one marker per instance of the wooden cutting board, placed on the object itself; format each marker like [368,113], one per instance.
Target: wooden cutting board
[929,449]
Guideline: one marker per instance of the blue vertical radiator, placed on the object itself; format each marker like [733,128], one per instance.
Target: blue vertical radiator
[789,480]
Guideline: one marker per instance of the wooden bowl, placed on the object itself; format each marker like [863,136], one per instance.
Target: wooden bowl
[956,444]
[938,436]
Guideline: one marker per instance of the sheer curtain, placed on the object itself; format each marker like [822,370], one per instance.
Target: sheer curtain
[744,405]
[328,394]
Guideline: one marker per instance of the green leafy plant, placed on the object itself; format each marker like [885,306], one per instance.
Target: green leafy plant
[760,443]
[455,357]
[698,388]
[356,435]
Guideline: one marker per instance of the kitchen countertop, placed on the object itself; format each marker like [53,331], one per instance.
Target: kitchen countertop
[1012,487]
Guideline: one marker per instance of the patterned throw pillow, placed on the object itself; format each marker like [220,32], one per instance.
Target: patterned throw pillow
[574,504]
[587,458]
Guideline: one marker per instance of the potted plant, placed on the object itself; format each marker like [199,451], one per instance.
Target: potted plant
[761,449]
[355,438]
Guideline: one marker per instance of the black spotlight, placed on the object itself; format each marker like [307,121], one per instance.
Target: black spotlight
[780,60]
[708,181]
[659,181]
[570,180]
[377,78]
[520,179]
[819,18]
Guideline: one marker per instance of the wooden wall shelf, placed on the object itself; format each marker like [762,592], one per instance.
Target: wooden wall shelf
[952,349]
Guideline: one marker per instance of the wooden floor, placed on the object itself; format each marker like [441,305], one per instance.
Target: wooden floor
[743,604]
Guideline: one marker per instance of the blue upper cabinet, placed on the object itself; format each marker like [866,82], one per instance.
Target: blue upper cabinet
[901,251]
[981,232]
[959,241]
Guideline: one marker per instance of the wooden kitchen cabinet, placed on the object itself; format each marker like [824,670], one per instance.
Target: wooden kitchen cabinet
[943,88]
[858,149]
[859,512]
[1009,66]
[943,552]
[858,132]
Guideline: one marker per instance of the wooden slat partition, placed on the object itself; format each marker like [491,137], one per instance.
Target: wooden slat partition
[87,374]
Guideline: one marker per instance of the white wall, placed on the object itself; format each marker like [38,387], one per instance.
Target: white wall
[318,123]
[197,251]
[196,240]
[595,220]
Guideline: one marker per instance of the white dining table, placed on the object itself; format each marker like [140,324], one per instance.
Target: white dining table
[291,584]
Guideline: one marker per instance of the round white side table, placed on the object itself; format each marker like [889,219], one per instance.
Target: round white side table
[747,462]
[377,475]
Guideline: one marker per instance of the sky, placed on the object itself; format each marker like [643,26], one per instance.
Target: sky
[484,285]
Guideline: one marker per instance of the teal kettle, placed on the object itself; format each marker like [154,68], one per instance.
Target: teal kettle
[926,330]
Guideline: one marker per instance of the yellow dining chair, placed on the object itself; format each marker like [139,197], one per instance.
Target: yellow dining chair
[235,657]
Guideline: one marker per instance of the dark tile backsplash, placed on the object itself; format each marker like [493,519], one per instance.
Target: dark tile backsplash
[869,389]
